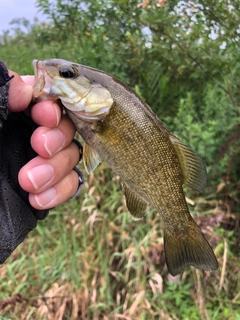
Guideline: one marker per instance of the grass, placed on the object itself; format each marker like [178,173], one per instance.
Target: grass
[90,260]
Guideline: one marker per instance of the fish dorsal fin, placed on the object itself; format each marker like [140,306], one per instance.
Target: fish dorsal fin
[90,158]
[136,205]
[193,169]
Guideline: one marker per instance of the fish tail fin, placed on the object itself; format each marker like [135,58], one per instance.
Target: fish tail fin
[188,248]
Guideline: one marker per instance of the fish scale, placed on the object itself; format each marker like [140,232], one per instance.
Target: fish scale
[152,163]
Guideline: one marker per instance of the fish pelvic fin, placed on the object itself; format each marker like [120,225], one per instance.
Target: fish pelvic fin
[136,205]
[91,158]
[189,248]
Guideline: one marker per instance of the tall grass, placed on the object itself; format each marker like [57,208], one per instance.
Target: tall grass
[90,260]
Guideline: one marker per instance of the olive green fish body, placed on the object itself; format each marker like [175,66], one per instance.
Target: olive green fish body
[152,162]
[130,139]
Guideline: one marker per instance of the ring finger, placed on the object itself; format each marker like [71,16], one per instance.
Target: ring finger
[57,194]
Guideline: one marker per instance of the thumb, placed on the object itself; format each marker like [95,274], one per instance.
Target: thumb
[20,93]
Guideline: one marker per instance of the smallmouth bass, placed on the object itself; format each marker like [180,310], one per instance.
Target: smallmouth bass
[120,128]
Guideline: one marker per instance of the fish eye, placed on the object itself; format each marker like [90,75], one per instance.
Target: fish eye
[68,72]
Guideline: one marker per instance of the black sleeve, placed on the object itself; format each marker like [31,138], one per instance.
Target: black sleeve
[17,216]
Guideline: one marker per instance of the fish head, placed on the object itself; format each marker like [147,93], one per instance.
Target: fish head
[59,79]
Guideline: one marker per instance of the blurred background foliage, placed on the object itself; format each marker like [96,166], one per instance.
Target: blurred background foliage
[183,59]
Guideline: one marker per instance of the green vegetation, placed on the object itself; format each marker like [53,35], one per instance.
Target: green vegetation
[89,259]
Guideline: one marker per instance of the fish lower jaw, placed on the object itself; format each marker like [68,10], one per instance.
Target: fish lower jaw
[42,88]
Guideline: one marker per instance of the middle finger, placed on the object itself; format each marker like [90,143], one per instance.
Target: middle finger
[47,142]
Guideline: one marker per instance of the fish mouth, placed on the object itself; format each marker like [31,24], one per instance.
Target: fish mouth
[42,81]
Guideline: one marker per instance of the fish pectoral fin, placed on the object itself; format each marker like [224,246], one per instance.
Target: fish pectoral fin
[188,248]
[136,205]
[193,169]
[91,158]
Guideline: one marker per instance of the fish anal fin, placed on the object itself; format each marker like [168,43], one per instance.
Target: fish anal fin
[136,205]
[192,166]
[91,158]
[189,248]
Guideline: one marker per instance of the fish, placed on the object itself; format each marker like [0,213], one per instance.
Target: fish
[117,126]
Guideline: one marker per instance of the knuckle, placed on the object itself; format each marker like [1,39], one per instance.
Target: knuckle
[71,183]
[67,157]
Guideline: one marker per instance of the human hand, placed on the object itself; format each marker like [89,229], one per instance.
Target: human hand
[49,177]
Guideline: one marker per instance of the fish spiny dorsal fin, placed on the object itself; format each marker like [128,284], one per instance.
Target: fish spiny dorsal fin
[90,158]
[136,206]
[193,169]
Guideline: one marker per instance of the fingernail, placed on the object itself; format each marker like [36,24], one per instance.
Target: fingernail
[56,108]
[45,197]
[53,141]
[40,175]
